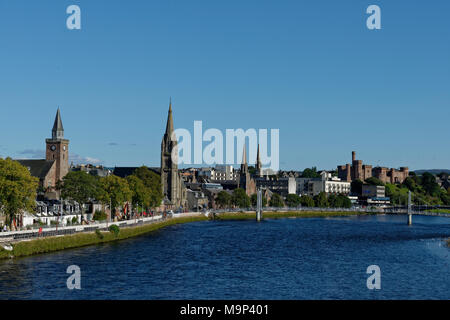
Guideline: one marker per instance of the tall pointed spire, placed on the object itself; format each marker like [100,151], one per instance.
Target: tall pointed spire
[244,156]
[258,166]
[244,166]
[58,129]
[169,125]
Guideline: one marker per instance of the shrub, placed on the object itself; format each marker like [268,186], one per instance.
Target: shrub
[114,229]
[74,220]
[100,215]
[99,234]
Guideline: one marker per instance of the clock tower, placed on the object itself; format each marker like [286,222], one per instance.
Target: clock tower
[57,149]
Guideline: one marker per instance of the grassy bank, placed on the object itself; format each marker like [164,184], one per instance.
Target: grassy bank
[50,244]
[439,211]
[286,214]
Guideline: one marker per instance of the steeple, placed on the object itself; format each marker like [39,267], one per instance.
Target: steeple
[258,163]
[244,166]
[169,125]
[58,130]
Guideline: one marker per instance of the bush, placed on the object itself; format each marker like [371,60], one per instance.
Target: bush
[114,229]
[74,220]
[99,234]
[100,215]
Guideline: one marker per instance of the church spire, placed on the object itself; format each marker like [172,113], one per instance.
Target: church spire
[169,126]
[58,129]
[244,166]
[258,163]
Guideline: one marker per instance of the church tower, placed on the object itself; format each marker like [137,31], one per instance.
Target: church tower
[57,149]
[171,184]
[258,165]
[246,182]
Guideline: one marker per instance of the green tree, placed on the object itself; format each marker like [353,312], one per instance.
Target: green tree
[116,191]
[374,181]
[276,201]
[293,200]
[240,198]
[100,215]
[79,186]
[320,200]
[254,200]
[411,184]
[339,201]
[223,199]
[310,173]
[306,201]
[152,181]
[429,184]
[141,194]
[17,189]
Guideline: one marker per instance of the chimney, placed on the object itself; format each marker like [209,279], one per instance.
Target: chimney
[353,156]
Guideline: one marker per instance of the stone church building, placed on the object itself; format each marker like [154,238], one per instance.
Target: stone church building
[56,163]
[172,184]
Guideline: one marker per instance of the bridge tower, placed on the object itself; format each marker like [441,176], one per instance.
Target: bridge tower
[259,205]
[409,209]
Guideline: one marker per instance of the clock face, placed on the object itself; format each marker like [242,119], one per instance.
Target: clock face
[53,147]
[64,148]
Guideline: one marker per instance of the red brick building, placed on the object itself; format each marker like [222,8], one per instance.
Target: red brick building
[357,170]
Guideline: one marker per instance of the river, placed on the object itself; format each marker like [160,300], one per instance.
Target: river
[307,258]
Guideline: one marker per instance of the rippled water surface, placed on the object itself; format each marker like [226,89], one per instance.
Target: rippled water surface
[313,258]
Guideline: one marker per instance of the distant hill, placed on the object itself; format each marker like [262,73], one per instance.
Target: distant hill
[432,171]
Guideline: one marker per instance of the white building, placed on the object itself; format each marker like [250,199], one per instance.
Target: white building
[326,183]
[219,173]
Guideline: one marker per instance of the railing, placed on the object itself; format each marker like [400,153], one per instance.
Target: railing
[56,231]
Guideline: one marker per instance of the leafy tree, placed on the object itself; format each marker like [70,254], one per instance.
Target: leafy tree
[100,215]
[429,184]
[276,200]
[293,200]
[254,199]
[410,183]
[223,199]
[310,173]
[374,181]
[240,198]
[306,201]
[339,201]
[333,201]
[152,181]
[141,194]
[80,187]
[116,190]
[17,189]
[321,200]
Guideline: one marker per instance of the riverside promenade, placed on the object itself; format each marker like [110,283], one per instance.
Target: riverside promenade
[14,236]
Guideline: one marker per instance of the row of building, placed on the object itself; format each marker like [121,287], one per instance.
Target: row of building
[196,188]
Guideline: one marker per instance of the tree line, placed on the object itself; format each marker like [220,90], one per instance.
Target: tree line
[142,188]
[425,189]
[18,189]
[240,199]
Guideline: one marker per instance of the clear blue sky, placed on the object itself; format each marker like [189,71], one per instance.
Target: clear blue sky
[310,68]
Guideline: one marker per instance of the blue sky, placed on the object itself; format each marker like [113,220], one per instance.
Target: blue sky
[309,68]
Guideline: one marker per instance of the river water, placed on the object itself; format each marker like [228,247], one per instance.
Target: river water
[310,258]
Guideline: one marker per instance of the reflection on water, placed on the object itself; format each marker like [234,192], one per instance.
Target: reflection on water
[314,258]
